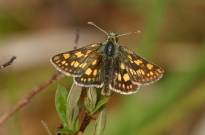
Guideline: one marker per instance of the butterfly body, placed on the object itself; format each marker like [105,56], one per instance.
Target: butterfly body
[108,66]
[109,53]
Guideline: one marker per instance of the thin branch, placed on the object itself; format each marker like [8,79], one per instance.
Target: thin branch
[46,127]
[84,124]
[86,118]
[8,63]
[23,102]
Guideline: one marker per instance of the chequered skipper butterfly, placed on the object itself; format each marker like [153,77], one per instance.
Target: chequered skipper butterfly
[108,66]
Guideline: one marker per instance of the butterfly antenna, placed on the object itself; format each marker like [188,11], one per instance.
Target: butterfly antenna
[92,23]
[129,33]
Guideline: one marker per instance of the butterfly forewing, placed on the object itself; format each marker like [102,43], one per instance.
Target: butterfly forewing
[93,75]
[141,71]
[120,79]
[76,61]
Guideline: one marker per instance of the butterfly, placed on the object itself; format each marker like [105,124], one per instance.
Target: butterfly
[108,66]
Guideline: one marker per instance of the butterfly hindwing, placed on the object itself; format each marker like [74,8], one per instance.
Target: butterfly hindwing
[141,71]
[120,79]
[76,61]
[93,74]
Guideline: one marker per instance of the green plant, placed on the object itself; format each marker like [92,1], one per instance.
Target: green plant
[78,107]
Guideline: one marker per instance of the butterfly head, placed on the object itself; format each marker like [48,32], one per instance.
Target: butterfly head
[112,37]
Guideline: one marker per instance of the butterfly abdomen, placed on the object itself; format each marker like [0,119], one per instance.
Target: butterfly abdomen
[108,63]
[109,52]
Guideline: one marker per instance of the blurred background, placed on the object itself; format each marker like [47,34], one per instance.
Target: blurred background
[173,36]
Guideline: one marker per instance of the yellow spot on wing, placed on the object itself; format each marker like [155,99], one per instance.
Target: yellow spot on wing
[94,62]
[93,45]
[128,87]
[132,72]
[88,71]
[76,64]
[89,51]
[79,54]
[72,63]
[129,57]
[123,85]
[83,65]
[160,71]
[151,73]
[138,62]
[66,55]
[122,66]
[126,77]
[149,66]
[95,72]
[140,72]
[63,62]
[119,77]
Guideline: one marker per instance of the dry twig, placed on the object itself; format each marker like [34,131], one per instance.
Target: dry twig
[84,124]
[8,63]
[36,90]
[23,102]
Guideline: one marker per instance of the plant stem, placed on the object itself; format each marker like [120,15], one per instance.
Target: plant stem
[84,124]
[24,101]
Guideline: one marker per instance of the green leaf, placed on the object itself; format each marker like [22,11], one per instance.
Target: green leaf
[61,104]
[91,99]
[101,103]
[73,118]
[73,108]
[100,122]
[65,130]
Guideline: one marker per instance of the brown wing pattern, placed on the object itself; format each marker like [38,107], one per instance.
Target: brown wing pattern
[141,71]
[121,80]
[93,74]
[75,62]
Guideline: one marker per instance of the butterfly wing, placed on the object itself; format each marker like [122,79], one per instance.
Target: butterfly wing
[74,63]
[93,75]
[120,79]
[141,71]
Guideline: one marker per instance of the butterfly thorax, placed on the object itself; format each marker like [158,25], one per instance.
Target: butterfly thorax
[109,49]
[110,45]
